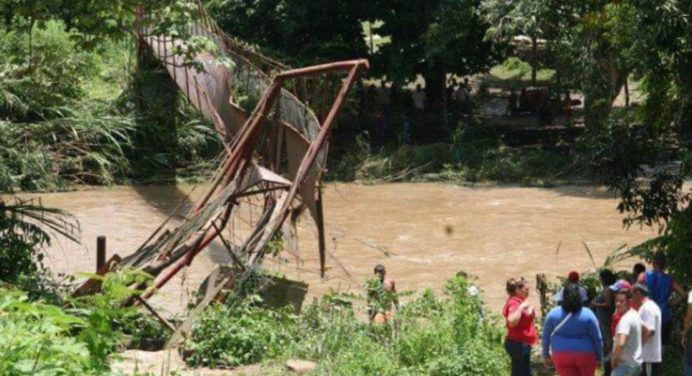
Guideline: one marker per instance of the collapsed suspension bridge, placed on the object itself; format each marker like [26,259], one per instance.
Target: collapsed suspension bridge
[275,155]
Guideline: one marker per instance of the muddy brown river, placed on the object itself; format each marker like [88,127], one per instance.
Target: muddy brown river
[423,233]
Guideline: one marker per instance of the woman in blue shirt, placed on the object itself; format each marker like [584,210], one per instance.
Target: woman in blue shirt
[571,337]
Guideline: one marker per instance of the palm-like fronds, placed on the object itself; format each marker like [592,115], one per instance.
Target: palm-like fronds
[31,217]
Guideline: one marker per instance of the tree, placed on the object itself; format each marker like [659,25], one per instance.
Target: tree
[434,38]
[587,43]
[662,57]
[533,18]
[93,22]
[299,32]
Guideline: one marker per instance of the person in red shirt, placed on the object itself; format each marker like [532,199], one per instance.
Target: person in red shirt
[521,332]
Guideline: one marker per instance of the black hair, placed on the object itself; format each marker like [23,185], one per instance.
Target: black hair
[641,288]
[571,299]
[638,268]
[379,268]
[607,276]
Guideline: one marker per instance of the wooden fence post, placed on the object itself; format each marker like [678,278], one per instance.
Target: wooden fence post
[100,253]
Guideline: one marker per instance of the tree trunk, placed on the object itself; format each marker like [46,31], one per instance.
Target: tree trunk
[8,13]
[31,42]
[602,87]
[435,82]
[534,59]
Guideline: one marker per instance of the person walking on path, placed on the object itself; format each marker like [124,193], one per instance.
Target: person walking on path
[572,332]
[626,359]
[661,285]
[650,315]
[521,332]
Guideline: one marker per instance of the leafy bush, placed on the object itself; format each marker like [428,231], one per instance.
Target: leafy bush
[45,73]
[36,338]
[450,335]
[45,339]
[242,333]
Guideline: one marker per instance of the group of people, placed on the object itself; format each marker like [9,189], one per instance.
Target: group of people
[459,96]
[625,335]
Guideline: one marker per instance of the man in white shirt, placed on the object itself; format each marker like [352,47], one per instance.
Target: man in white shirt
[687,337]
[651,317]
[626,359]
[418,97]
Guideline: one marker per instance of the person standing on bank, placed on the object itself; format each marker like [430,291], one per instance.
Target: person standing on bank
[521,332]
[604,307]
[661,285]
[650,315]
[383,297]
[626,359]
[687,337]
[572,332]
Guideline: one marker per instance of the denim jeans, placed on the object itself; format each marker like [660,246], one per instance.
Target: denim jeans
[688,366]
[520,354]
[623,370]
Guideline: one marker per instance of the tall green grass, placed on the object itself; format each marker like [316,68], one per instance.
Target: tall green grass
[435,335]
[69,116]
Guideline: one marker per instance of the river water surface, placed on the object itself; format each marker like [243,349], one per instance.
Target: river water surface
[423,233]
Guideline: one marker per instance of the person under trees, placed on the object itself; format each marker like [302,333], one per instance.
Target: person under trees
[419,99]
[463,96]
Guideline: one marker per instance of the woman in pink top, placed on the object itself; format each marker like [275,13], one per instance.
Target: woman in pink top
[521,332]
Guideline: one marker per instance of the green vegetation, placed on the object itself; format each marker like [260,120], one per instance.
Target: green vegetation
[37,339]
[517,73]
[25,226]
[79,106]
[69,116]
[242,333]
[76,336]
[448,335]
[476,155]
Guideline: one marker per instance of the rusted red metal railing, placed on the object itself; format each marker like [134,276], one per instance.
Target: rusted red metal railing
[242,150]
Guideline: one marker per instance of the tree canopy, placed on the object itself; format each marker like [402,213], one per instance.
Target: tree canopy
[434,38]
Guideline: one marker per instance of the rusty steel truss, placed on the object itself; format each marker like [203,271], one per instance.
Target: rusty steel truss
[275,154]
